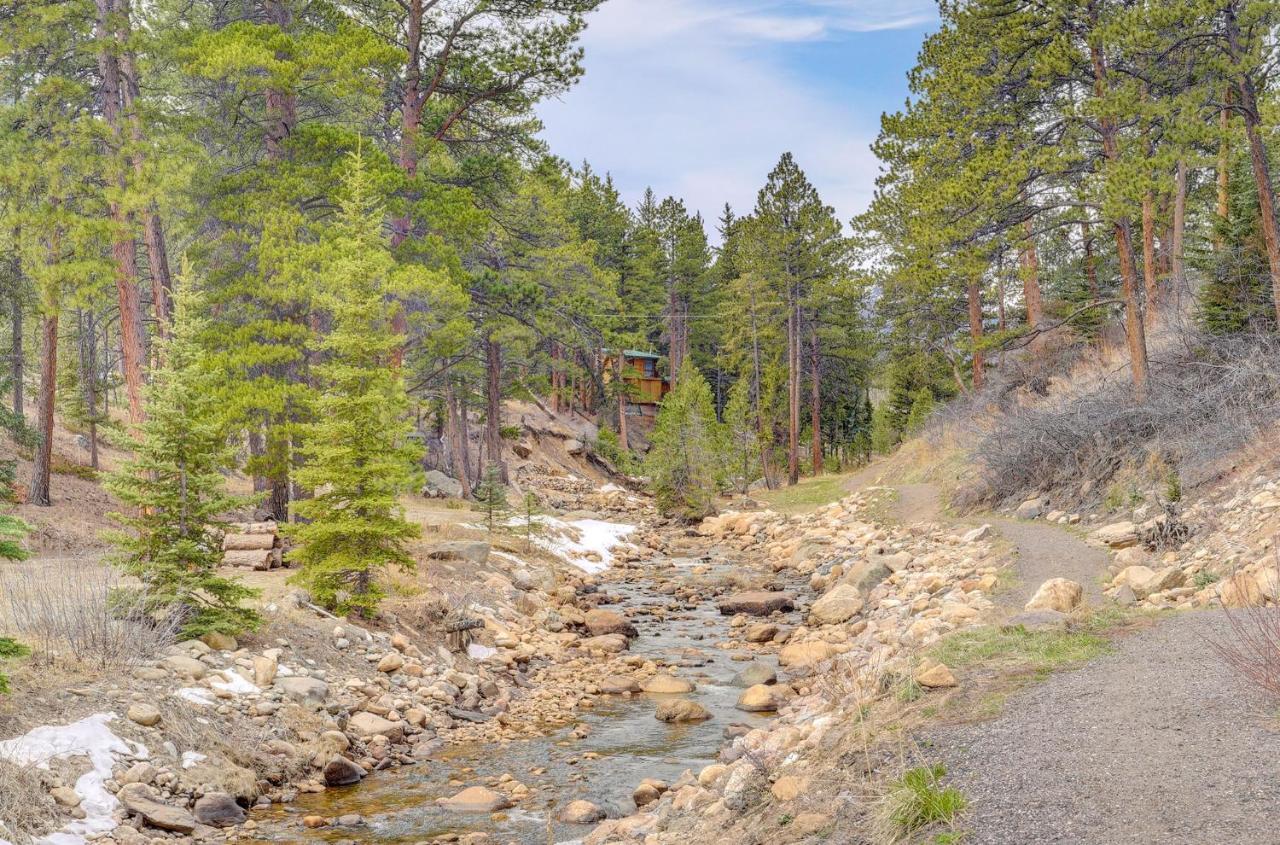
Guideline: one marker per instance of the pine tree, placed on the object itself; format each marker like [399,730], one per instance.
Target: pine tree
[12,529]
[10,648]
[530,510]
[491,496]
[921,409]
[358,451]
[742,447]
[174,493]
[685,461]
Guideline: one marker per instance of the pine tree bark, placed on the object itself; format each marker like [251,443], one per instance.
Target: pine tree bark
[1177,239]
[87,346]
[974,297]
[793,391]
[1090,262]
[815,401]
[124,250]
[1031,283]
[493,406]
[1224,169]
[621,386]
[1150,271]
[1134,330]
[40,468]
[17,360]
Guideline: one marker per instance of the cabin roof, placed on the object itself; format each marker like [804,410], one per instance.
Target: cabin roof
[635,353]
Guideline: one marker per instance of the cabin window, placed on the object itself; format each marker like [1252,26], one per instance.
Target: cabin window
[649,367]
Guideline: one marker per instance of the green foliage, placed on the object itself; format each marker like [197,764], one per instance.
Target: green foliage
[1038,651]
[12,529]
[610,448]
[741,446]
[685,459]
[918,799]
[491,499]
[922,407]
[359,456]
[174,493]
[531,526]
[884,435]
[9,649]
[1205,578]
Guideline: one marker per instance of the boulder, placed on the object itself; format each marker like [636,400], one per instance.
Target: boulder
[805,655]
[264,670]
[600,621]
[368,724]
[185,667]
[681,710]
[936,676]
[755,673]
[756,603]
[1060,594]
[218,809]
[664,684]
[763,698]
[864,575]
[340,771]
[761,632]
[1240,590]
[472,551]
[836,606]
[789,787]
[220,642]
[1144,581]
[141,800]
[647,792]
[308,692]
[609,643]
[1031,508]
[982,532]
[437,485]
[392,661]
[144,714]
[475,799]
[574,446]
[581,812]
[1117,535]
[618,684]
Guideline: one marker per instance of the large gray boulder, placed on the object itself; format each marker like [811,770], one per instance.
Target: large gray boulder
[437,485]
[141,800]
[308,692]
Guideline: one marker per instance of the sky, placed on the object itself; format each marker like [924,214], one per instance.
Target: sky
[699,98]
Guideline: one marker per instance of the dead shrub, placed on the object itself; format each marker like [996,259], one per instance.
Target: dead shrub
[73,610]
[240,741]
[1251,645]
[26,810]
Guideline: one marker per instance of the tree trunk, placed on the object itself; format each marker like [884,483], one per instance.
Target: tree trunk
[1124,243]
[1266,192]
[1177,263]
[87,346]
[493,406]
[457,441]
[622,397]
[975,334]
[815,400]
[1150,277]
[17,361]
[1031,284]
[1224,168]
[1090,262]
[793,391]
[124,250]
[44,404]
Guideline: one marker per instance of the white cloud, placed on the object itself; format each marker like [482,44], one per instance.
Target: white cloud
[686,96]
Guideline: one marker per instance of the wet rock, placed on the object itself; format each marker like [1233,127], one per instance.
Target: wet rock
[141,800]
[608,643]
[649,790]
[755,673]
[618,684]
[681,710]
[756,603]
[600,621]
[761,632]
[763,698]
[218,809]
[475,799]
[663,684]
[340,771]
[581,812]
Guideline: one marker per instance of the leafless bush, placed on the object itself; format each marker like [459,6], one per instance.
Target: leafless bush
[1167,532]
[239,740]
[1251,645]
[74,610]
[26,810]
[1209,396]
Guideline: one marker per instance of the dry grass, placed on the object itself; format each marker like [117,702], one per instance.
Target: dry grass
[26,810]
[69,611]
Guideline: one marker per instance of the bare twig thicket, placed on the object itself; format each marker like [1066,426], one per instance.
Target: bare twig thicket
[1210,396]
[1251,644]
[73,610]
[26,810]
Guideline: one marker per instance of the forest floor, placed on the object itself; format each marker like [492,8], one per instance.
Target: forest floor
[1158,741]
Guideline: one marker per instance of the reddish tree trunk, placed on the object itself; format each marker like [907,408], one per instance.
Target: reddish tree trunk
[493,405]
[1031,283]
[1262,176]
[44,406]
[618,363]
[1090,262]
[793,393]
[975,334]
[1150,271]
[1177,238]
[1224,168]
[815,400]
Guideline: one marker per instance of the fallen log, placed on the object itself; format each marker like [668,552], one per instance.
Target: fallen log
[246,542]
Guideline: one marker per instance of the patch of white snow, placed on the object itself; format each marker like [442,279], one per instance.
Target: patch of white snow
[235,683]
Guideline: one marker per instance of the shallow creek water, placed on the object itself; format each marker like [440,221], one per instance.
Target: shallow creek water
[399,806]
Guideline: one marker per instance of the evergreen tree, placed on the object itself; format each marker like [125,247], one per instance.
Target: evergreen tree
[685,461]
[10,648]
[359,454]
[921,409]
[12,529]
[742,447]
[530,510]
[491,496]
[175,494]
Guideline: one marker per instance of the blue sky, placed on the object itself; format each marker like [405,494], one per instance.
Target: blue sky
[698,98]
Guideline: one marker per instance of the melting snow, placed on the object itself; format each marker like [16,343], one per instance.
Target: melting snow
[90,737]
[191,759]
[477,651]
[196,695]
[595,539]
[235,683]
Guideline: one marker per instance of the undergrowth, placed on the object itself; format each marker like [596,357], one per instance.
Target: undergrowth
[918,800]
[1017,648]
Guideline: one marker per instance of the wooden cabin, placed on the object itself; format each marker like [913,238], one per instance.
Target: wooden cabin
[645,386]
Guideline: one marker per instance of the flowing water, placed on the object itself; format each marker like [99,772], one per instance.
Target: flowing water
[625,745]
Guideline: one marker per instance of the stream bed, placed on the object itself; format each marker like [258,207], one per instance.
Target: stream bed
[624,745]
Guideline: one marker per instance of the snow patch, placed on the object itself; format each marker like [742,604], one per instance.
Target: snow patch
[90,737]
[191,759]
[477,651]
[585,543]
[196,695]
[235,683]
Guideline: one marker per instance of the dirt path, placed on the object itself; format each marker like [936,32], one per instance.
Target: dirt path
[1159,743]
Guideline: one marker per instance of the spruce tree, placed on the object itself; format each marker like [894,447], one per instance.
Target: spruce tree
[684,463]
[742,447]
[922,406]
[491,496]
[359,456]
[174,493]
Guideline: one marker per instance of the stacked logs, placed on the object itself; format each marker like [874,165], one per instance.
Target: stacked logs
[252,545]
